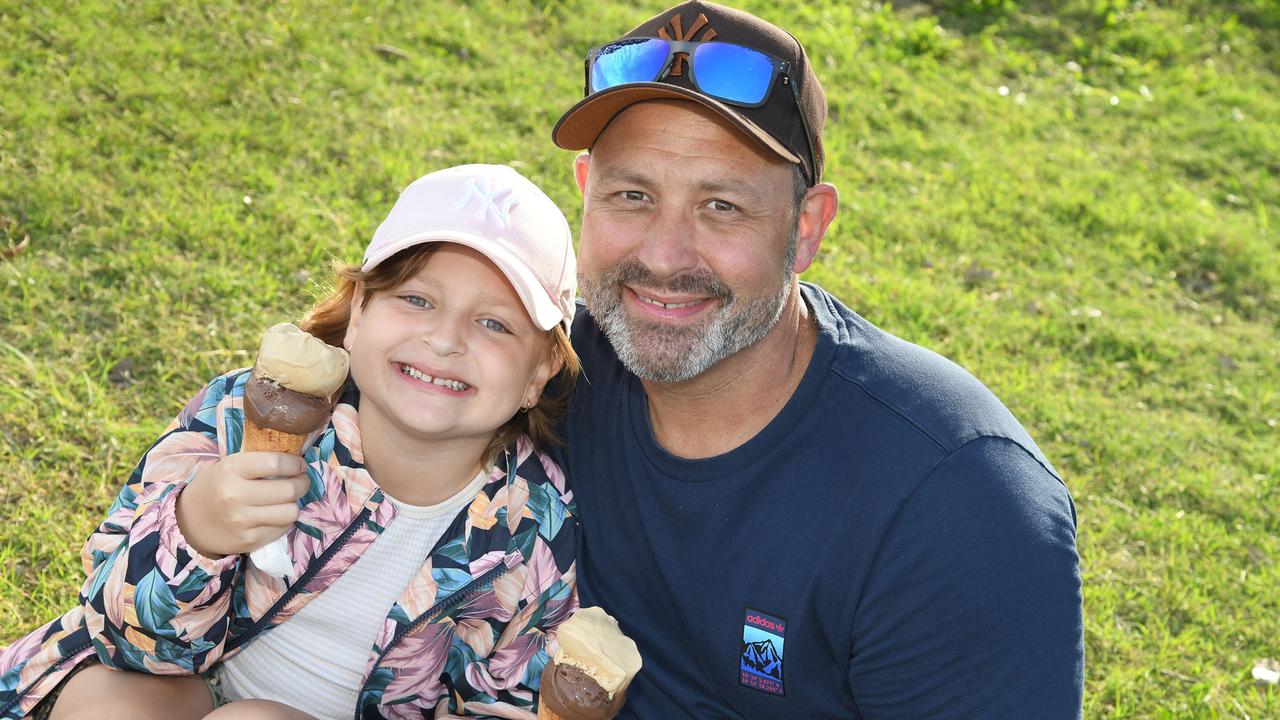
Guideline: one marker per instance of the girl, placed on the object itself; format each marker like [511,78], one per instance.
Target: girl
[432,543]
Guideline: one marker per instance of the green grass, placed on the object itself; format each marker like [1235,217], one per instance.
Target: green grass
[1076,200]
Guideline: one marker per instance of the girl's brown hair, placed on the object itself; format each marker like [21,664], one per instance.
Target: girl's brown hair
[328,321]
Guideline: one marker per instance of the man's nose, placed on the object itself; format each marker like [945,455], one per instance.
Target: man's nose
[667,245]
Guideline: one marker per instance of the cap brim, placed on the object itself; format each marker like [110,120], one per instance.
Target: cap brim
[542,310]
[579,127]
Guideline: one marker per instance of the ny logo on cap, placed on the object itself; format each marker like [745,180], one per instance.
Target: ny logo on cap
[677,65]
[499,203]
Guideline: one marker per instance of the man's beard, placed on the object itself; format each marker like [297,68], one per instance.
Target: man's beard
[664,353]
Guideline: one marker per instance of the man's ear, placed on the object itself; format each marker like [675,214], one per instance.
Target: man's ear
[353,322]
[581,164]
[817,210]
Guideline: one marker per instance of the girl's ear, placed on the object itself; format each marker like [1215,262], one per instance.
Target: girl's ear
[353,322]
[548,368]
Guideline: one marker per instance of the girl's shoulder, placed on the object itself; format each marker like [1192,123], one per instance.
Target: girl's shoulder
[538,474]
[203,406]
[231,383]
[532,465]
[530,485]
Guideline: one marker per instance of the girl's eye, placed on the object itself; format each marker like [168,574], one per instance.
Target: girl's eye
[494,325]
[416,301]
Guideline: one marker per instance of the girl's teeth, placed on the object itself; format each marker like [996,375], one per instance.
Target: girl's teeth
[444,382]
[451,384]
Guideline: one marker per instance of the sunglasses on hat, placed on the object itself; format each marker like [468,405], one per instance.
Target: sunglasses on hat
[732,73]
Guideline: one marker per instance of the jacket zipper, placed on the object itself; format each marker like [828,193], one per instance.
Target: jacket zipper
[300,583]
[431,615]
[18,694]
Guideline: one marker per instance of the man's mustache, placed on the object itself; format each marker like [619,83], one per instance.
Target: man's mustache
[695,282]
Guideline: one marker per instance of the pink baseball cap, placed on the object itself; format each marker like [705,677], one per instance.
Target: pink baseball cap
[495,211]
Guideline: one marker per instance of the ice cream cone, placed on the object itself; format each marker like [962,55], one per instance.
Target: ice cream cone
[546,713]
[588,675]
[257,438]
[291,389]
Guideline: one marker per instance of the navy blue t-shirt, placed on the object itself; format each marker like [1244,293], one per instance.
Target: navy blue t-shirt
[891,545]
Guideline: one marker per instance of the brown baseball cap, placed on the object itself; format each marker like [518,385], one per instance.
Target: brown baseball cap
[787,124]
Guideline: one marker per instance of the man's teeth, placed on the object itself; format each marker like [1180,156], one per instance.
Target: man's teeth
[666,306]
[445,382]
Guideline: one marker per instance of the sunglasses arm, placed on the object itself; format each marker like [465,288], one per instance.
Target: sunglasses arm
[804,123]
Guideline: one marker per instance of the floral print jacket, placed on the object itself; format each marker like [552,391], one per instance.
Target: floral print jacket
[467,637]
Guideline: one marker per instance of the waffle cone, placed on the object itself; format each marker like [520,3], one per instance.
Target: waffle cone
[546,713]
[258,438]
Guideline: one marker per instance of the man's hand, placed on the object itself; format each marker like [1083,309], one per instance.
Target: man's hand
[241,502]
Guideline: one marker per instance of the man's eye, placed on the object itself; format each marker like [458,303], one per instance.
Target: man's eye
[722,206]
[494,325]
[633,195]
[416,301]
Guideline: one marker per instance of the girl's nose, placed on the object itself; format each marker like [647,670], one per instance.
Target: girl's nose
[445,338]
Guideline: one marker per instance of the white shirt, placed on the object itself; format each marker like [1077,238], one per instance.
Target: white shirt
[316,660]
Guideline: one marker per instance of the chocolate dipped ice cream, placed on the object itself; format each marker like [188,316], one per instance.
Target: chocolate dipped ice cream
[291,390]
[587,678]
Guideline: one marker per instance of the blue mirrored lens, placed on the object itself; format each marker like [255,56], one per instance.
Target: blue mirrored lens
[732,72]
[628,61]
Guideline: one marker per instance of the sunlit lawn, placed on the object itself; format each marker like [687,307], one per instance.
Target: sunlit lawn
[1077,201]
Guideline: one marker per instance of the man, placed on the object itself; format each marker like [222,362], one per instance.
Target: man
[794,513]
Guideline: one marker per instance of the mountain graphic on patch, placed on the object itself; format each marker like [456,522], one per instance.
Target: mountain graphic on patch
[764,639]
[761,657]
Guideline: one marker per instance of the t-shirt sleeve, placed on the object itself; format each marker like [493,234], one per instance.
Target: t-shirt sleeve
[974,604]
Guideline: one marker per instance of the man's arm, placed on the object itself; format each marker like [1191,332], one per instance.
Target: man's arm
[974,608]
